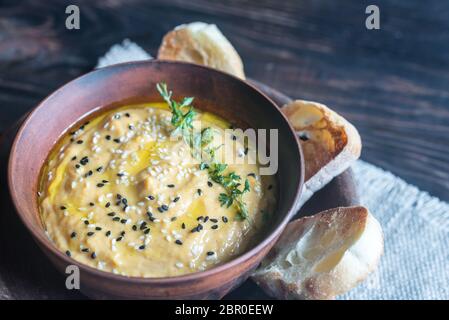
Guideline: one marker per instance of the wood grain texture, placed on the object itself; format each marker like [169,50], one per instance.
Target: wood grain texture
[391,83]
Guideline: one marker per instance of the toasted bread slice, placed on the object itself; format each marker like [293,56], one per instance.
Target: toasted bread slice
[203,44]
[330,143]
[322,256]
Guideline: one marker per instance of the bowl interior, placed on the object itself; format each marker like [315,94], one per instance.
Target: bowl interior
[112,86]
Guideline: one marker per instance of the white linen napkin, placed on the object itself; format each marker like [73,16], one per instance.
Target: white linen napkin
[415,264]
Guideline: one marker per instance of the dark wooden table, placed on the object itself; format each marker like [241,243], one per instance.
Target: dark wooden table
[392,83]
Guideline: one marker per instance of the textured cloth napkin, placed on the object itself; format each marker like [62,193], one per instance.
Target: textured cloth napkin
[415,264]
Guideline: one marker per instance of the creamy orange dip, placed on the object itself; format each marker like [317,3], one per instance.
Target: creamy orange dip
[119,195]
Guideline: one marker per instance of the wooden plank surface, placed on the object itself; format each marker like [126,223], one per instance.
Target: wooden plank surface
[391,83]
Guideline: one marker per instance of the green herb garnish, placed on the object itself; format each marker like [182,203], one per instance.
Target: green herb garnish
[180,120]
[198,141]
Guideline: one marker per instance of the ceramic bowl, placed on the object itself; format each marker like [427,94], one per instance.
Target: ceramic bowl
[109,87]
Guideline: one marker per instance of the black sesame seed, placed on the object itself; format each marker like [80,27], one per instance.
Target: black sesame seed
[164,207]
[150,197]
[127,115]
[108,137]
[199,226]
[147,231]
[91,204]
[68,253]
[108,233]
[93,255]
[108,205]
[123,221]
[214,220]
[73,234]
[173,219]
[105,181]
[73,158]
[116,140]
[100,185]
[122,233]
[160,209]
[183,225]
[84,160]
[199,191]
[89,173]
[120,174]
[86,222]
[79,141]
[176,199]
[131,127]
[116,219]
[62,207]
[90,233]
[142,247]
[125,201]
[170,185]
[179,242]
[98,228]
[225,220]
[200,218]
[210,253]
[77,166]
[119,239]
[209,184]
[85,249]
[119,196]
[215,226]
[111,214]
[99,169]
[143,226]
[134,227]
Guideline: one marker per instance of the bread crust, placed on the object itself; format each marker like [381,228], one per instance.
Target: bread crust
[330,143]
[202,44]
[322,256]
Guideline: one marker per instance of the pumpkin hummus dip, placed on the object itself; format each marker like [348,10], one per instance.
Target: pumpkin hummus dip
[123,192]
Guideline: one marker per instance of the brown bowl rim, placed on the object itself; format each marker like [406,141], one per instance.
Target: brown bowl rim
[46,243]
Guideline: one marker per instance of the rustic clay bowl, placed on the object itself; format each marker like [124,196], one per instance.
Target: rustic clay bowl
[108,87]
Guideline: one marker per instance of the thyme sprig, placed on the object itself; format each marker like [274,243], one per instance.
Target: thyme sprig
[183,122]
[231,183]
[198,141]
